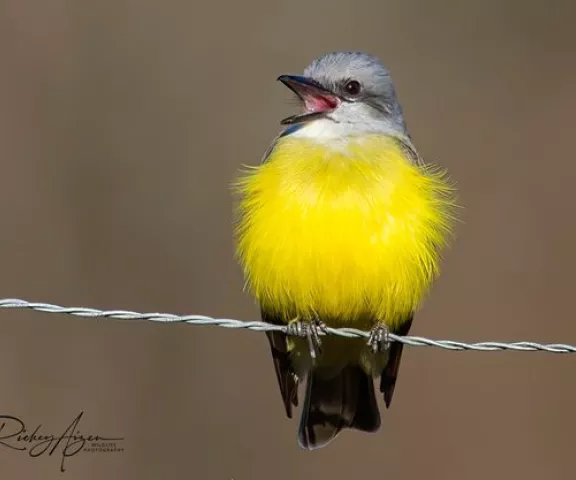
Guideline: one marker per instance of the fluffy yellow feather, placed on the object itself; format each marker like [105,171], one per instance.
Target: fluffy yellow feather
[352,234]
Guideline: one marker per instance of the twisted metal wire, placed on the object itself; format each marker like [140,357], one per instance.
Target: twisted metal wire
[14,303]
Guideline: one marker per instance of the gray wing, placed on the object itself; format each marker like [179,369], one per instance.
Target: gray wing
[406,144]
[283,133]
[287,379]
[389,375]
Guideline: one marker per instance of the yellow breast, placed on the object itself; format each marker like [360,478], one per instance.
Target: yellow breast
[348,234]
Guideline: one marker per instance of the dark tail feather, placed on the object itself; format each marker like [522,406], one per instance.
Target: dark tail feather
[344,401]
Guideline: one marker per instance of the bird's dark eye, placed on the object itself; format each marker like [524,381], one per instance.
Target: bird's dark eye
[352,87]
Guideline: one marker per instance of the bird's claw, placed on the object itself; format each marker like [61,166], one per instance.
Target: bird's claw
[311,330]
[379,338]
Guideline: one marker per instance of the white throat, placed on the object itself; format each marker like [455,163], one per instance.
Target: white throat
[337,133]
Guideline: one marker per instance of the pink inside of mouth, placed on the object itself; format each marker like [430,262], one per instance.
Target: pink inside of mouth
[319,103]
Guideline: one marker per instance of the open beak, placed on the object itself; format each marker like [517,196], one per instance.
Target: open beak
[317,100]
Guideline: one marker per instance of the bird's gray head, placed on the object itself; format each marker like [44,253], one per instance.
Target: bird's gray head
[346,93]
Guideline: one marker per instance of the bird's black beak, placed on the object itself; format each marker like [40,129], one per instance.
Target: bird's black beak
[317,100]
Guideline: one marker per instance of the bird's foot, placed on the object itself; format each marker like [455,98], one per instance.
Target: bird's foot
[379,339]
[311,330]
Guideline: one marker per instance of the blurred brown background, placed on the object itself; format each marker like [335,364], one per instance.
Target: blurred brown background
[122,124]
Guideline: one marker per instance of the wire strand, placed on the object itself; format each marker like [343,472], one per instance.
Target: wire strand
[14,303]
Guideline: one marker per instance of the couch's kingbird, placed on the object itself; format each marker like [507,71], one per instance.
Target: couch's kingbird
[342,225]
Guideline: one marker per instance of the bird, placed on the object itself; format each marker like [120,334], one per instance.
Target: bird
[342,224]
